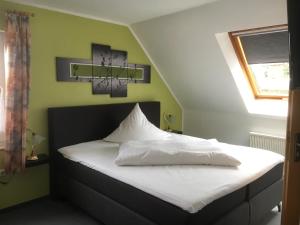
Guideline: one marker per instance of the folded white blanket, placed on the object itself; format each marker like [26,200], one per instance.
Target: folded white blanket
[182,150]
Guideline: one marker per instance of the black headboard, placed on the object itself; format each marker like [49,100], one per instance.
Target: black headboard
[76,124]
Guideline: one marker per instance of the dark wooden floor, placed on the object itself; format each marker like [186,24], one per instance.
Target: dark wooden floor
[45,212]
[48,212]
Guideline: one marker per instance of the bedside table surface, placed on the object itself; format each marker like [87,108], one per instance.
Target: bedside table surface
[42,159]
[176,131]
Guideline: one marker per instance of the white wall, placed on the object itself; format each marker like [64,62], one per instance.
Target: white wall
[231,128]
[184,47]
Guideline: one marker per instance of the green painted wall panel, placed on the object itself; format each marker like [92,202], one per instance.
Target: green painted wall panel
[57,34]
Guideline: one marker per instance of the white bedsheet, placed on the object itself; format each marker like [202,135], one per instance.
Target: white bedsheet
[190,187]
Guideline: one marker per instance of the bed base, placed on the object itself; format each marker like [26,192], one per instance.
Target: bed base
[111,212]
[67,126]
[264,201]
[101,207]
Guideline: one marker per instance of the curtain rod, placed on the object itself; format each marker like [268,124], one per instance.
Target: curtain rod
[19,12]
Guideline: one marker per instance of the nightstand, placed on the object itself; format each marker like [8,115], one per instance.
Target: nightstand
[176,131]
[42,159]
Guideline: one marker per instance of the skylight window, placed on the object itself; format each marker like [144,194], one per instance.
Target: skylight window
[264,56]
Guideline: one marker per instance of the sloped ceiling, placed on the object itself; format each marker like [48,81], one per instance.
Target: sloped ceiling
[184,47]
[119,11]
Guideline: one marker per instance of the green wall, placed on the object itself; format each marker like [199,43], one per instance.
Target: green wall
[57,34]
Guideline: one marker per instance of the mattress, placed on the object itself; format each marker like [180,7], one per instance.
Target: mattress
[188,187]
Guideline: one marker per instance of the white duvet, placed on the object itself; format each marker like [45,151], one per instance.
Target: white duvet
[190,187]
[176,150]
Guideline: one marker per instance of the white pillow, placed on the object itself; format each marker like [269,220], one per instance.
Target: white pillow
[174,152]
[136,127]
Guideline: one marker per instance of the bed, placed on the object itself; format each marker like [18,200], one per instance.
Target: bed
[115,202]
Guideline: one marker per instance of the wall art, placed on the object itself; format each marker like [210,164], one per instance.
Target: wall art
[108,71]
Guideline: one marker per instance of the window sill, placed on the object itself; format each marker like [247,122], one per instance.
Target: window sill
[268,108]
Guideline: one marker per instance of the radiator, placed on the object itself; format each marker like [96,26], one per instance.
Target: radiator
[267,141]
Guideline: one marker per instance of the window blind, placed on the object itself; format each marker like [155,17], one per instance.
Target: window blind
[270,47]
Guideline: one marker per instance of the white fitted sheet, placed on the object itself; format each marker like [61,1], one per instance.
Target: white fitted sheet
[190,187]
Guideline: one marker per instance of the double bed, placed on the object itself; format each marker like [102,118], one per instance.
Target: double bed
[108,194]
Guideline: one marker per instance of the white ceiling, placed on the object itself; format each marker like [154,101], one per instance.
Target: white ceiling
[118,11]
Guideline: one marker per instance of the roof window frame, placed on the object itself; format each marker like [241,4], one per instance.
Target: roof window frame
[239,51]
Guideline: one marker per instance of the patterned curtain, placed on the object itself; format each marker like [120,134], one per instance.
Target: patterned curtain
[17,51]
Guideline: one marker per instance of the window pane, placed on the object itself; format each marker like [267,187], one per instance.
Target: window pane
[271,78]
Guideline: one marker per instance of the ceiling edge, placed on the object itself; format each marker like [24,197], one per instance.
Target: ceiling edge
[155,66]
[69,12]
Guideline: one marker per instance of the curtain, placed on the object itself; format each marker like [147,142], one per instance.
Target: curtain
[2,90]
[17,72]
